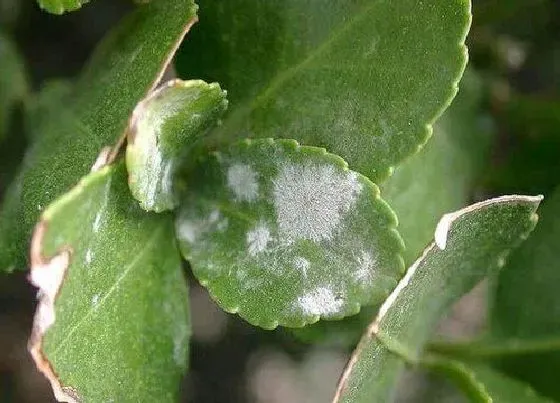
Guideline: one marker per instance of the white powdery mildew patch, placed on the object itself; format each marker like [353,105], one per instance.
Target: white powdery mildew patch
[89,256]
[320,301]
[258,239]
[242,180]
[190,230]
[311,200]
[97,222]
[301,264]
[365,263]
[95,300]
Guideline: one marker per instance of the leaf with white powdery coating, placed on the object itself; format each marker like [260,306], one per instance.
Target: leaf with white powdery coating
[363,79]
[124,69]
[284,234]
[471,244]
[112,307]
[163,128]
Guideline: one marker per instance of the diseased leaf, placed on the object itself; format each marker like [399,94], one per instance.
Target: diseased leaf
[363,79]
[483,384]
[13,81]
[525,318]
[126,66]
[285,235]
[114,276]
[438,179]
[163,129]
[61,6]
[471,244]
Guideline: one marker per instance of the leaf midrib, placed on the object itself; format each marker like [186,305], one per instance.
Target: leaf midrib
[277,81]
[101,302]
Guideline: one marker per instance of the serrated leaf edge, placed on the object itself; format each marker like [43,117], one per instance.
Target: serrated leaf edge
[373,329]
[295,146]
[428,127]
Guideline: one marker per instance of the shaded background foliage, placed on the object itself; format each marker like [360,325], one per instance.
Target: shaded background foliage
[514,47]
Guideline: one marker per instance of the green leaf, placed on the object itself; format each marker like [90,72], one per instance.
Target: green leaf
[74,131]
[438,179]
[482,383]
[471,244]
[61,6]
[363,79]
[163,129]
[112,312]
[13,82]
[441,177]
[285,235]
[526,306]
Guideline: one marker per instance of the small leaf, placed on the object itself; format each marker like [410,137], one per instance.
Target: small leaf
[61,6]
[475,242]
[112,312]
[363,79]
[285,235]
[76,129]
[482,383]
[163,128]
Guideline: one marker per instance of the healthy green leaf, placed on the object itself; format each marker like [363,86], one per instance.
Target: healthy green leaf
[483,384]
[61,6]
[163,128]
[112,315]
[364,79]
[13,82]
[285,235]
[123,70]
[526,307]
[470,244]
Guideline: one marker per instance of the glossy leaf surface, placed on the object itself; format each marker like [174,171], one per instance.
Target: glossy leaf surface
[475,242]
[285,234]
[164,127]
[73,132]
[120,314]
[363,79]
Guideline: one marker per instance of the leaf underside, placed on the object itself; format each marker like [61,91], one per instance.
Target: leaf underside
[163,129]
[477,240]
[284,234]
